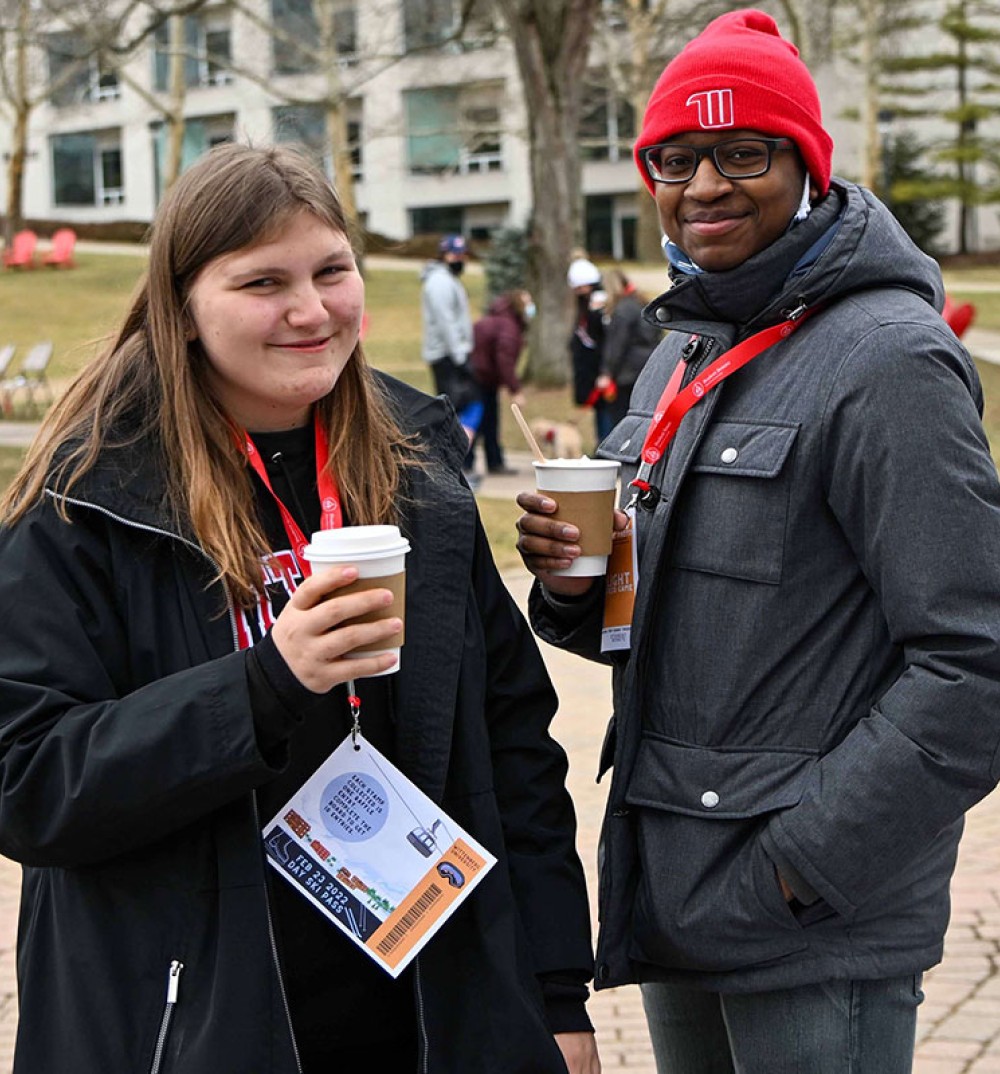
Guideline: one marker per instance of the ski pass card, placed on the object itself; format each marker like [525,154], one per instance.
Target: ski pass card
[374,854]
[621,582]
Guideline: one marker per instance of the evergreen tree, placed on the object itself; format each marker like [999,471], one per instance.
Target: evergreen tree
[960,83]
[506,265]
[922,218]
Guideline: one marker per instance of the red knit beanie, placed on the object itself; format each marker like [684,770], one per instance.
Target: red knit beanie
[739,72]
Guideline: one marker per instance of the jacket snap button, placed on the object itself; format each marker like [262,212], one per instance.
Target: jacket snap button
[710,799]
[730,455]
[603,971]
[662,315]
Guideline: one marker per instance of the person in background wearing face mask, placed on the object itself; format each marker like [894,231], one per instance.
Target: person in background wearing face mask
[587,340]
[498,339]
[809,699]
[447,323]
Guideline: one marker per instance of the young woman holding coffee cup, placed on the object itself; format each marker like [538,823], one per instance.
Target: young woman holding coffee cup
[172,672]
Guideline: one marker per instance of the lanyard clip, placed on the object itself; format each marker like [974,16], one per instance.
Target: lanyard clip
[355,705]
[645,494]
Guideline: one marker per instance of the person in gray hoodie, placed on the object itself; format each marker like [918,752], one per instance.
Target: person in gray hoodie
[447,323]
[810,699]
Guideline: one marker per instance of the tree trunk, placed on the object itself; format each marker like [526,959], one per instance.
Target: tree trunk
[336,111]
[966,241]
[175,114]
[872,165]
[14,218]
[15,174]
[340,149]
[648,231]
[551,43]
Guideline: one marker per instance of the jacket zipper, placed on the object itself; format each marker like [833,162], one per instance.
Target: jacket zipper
[173,986]
[172,993]
[274,951]
[421,1021]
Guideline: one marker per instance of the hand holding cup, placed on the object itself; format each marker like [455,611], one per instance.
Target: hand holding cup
[346,620]
[565,535]
[318,632]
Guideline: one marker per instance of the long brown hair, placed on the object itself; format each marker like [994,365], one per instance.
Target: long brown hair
[152,373]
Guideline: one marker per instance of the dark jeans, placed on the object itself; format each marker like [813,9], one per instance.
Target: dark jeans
[865,1027]
[618,408]
[489,431]
[603,419]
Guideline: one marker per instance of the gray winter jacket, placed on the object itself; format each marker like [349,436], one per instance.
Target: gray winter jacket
[447,323]
[814,680]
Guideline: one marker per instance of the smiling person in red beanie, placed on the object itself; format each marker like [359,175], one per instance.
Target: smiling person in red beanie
[808,698]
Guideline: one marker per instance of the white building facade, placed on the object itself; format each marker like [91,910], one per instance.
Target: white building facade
[437,133]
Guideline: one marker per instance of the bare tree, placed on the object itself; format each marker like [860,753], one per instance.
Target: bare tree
[101,35]
[335,54]
[633,41]
[551,40]
[167,26]
[870,37]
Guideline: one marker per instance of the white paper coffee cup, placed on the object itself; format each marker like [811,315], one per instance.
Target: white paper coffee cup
[584,490]
[379,553]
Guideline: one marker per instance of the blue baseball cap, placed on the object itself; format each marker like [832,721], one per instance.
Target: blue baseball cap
[452,244]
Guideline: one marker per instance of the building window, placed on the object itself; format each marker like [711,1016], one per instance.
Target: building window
[306,124]
[87,168]
[215,56]
[429,24]
[200,135]
[454,129]
[607,125]
[206,47]
[75,78]
[301,41]
[437,220]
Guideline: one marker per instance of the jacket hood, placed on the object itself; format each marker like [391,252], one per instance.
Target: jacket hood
[850,242]
[431,267]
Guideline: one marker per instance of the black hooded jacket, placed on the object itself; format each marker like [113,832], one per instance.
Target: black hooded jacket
[129,764]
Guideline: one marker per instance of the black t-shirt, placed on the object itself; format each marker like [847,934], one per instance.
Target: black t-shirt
[344,1007]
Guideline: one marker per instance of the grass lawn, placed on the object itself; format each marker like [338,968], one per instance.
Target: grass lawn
[78,308]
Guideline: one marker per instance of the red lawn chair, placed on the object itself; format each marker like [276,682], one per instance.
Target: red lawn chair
[63,244]
[958,318]
[21,252]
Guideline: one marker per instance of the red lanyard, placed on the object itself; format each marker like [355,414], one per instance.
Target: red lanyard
[675,401]
[331,516]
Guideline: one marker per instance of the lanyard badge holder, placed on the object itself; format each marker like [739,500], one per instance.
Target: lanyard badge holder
[674,404]
[371,852]
[358,839]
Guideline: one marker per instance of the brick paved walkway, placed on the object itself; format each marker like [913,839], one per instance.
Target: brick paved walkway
[959,1024]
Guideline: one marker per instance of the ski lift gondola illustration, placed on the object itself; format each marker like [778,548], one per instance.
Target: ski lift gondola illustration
[423,840]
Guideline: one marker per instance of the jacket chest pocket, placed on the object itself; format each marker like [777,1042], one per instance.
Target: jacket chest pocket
[732,515]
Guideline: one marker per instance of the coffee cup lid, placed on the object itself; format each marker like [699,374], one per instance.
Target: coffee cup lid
[356,543]
[582,463]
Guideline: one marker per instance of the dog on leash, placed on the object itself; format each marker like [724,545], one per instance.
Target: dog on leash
[557,439]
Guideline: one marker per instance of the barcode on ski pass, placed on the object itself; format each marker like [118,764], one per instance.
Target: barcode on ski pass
[409,920]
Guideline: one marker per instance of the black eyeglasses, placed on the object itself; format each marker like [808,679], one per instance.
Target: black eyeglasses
[742,158]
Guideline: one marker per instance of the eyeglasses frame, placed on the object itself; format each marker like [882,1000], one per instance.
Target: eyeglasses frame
[701,152]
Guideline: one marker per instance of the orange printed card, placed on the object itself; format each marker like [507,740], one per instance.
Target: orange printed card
[374,854]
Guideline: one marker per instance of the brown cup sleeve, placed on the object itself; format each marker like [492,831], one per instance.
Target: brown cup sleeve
[397,609]
[593,515]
